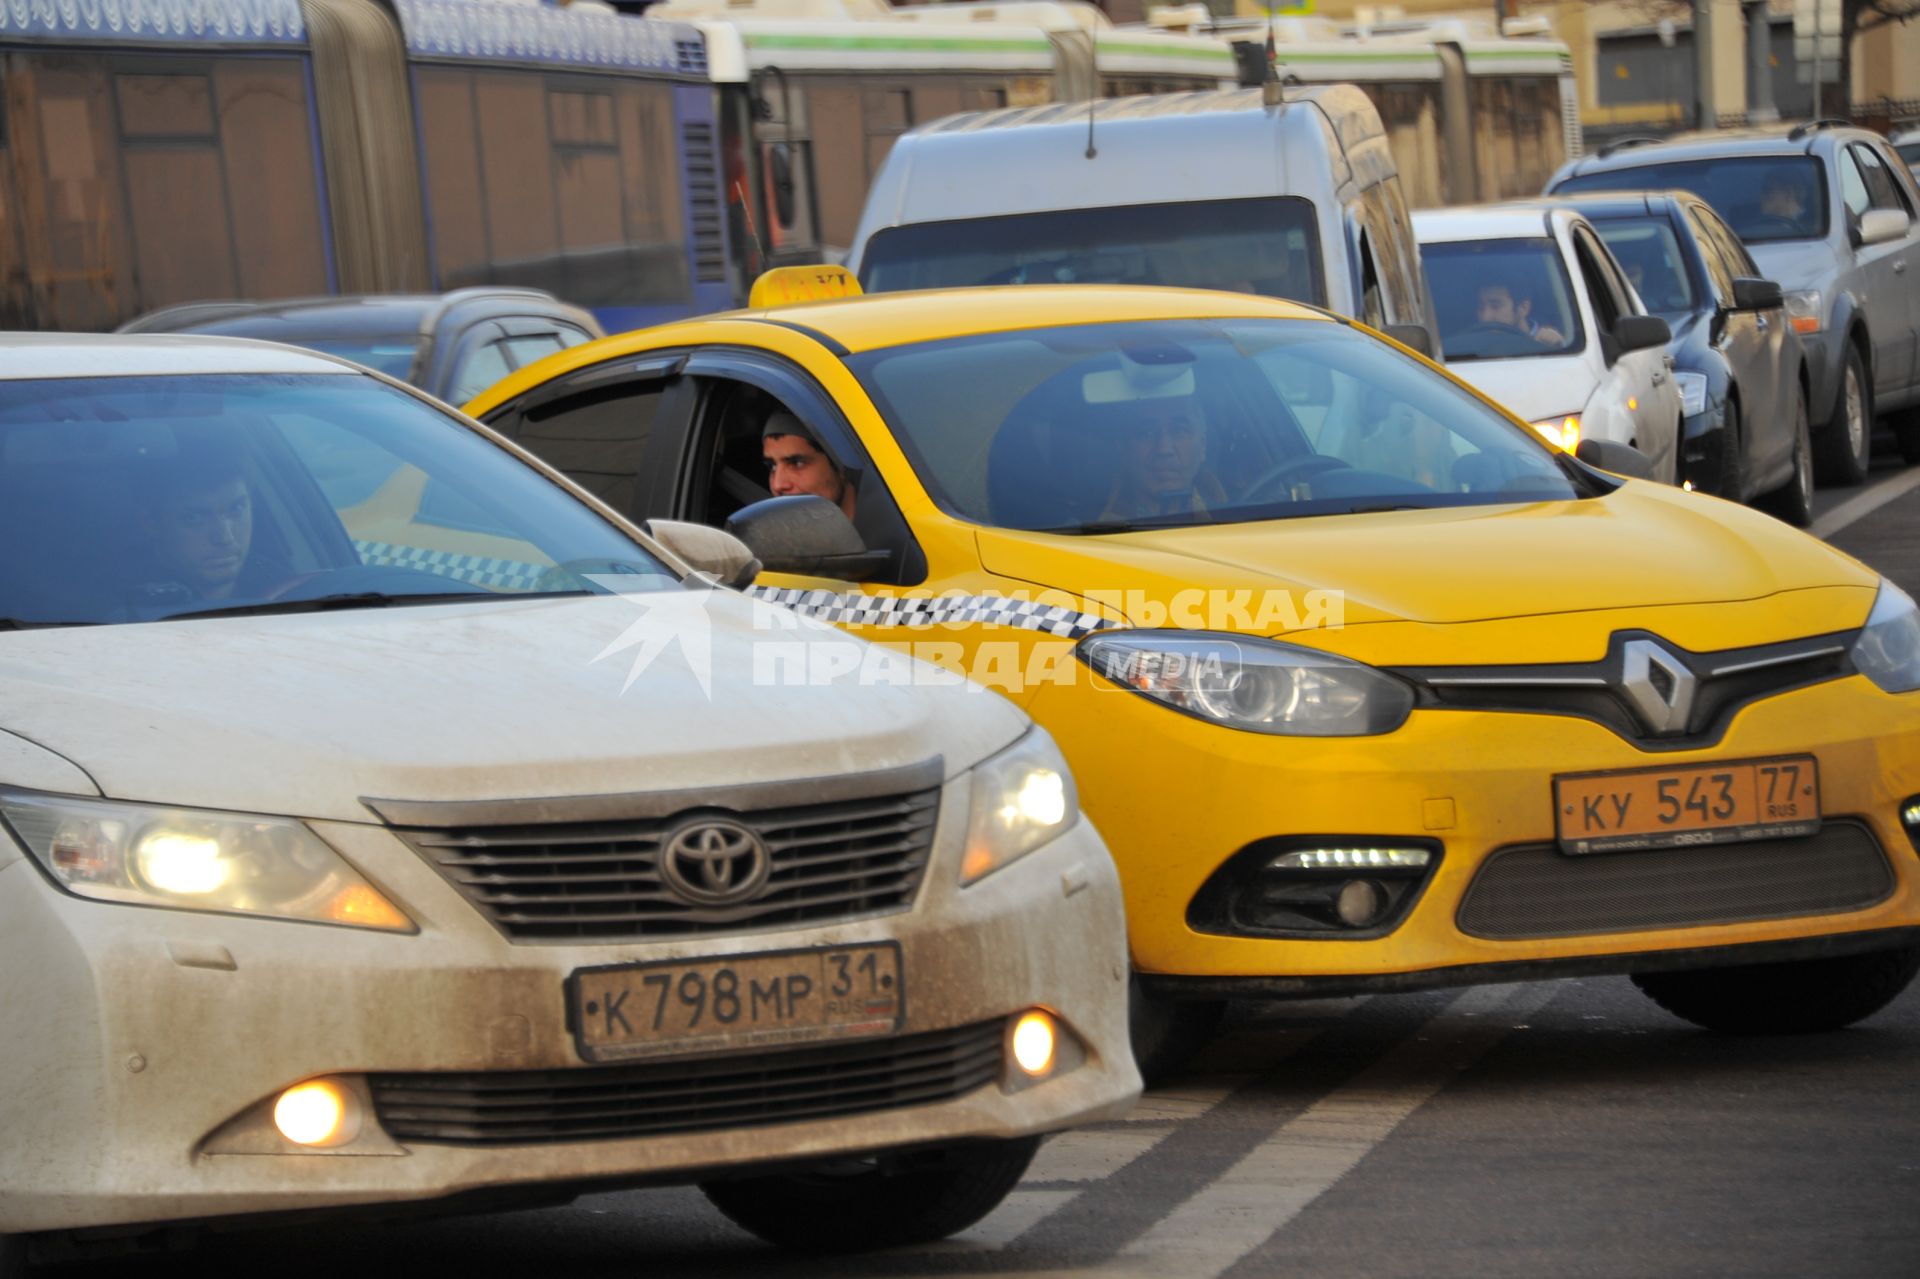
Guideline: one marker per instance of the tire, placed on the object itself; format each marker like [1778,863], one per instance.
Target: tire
[1793,501]
[1797,998]
[888,1202]
[13,1257]
[1847,442]
[1166,1033]
[1733,456]
[1906,429]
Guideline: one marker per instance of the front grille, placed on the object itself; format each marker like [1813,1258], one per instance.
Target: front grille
[601,880]
[1538,891]
[656,1099]
[703,196]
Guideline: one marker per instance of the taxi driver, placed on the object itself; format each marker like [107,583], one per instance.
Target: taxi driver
[796,464]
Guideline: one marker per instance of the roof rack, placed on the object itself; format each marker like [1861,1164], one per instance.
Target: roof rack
[1814,126]
[1621,144]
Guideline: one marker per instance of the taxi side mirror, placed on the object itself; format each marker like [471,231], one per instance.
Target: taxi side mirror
[1417,336]
[1611,455]
[806,534]
[721,556]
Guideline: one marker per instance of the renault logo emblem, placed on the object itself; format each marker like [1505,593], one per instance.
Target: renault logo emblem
[715,862]
[1659,685]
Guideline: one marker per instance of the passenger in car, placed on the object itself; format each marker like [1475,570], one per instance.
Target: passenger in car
[1506,304]
[797,464]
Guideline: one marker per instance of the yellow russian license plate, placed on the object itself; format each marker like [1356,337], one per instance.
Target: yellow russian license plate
[736,1002]
[1693,804]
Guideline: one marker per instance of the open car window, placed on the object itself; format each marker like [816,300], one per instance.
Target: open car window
[154,497]
[1104,428]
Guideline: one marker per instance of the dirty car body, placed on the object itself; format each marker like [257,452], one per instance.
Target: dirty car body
[473,819]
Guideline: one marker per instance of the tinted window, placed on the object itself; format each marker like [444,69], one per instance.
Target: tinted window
[1882,188]
[1502,299]
[1649,252]
[1100,428]
[1761,197]
[1243,246]
[149,497]
[1909,151]
[393,355]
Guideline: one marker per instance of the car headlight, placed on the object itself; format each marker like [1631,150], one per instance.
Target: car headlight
[1888,650]
[1562,432]
[1258,685]
[1693,392]
[187,859]
[1022,798]
[1804,310]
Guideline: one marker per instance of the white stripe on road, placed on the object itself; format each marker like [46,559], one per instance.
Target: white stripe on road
[1274,1183]
[1018,1213]
[1865,503]
[1184,1101]
[1090,1156]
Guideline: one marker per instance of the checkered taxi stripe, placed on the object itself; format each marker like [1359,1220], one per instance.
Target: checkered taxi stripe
[480,570]
[855,609]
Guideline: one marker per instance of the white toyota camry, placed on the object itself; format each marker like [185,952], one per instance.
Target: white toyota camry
[384,819]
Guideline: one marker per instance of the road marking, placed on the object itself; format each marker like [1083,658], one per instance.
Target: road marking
[1017,1214]
[1243,1207]
[1865,503]
[1184,1101]
[1090,1156]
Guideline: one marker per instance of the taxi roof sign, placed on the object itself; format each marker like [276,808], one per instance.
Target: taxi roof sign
[785,285]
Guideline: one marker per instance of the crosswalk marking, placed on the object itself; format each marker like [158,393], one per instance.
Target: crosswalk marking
[1270,1186]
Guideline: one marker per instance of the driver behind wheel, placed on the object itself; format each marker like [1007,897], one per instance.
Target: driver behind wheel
[1505,304]
[1163,453]
[198,527]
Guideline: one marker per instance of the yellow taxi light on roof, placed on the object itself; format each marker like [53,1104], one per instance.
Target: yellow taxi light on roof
[785,285]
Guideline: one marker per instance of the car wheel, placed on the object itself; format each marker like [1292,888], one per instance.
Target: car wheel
[886,1202]
[1906,430]
[13,1257]
[1785,999]
[1793,501]
[1166,1033]
[1848,439]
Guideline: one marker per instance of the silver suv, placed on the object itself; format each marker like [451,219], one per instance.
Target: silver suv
[1832,214]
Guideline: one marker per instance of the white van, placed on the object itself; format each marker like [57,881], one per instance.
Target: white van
[1295,198]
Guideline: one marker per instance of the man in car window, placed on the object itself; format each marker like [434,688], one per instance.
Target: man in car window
[797,464]
[1783,199]
[199,526]
[1163,453]
[1506,304]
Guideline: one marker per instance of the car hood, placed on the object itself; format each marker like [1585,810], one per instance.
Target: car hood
[1643,547]
[1535,387]
[1796,264]
[305,715]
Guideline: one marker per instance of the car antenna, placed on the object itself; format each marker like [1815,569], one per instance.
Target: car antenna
[1093,101]
[1270,83]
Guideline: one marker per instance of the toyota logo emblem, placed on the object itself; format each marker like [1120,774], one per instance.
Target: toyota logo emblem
[715,862]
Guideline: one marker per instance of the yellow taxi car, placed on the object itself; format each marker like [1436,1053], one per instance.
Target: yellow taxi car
[1367,688]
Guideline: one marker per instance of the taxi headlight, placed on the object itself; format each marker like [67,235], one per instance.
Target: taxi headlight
[1254,684]
[1888,650]
[1022,798]
[187,859]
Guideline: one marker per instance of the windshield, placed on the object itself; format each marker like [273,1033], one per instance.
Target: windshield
[150,497]
[1502,299]
[1775,197]
[1649,253]
[392,356]
[1910,152]
[1108,427]
[1262,246]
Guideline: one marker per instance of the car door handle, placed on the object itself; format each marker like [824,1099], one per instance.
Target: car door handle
[1659,376]
[1760,323]
[1900,267]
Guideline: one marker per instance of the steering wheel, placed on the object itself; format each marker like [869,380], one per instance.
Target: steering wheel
[1293,468]
[1504,339]
[1773,224]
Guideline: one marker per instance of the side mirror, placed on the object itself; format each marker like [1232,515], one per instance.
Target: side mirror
[780,160]
[1611,455]
[721,556]
[1750,294]
[1877,226]
[1417,336]
[806,534]
[1638,332]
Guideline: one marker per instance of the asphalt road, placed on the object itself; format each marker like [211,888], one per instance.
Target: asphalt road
[1566,1129]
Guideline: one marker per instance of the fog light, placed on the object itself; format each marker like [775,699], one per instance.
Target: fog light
[319,1112]
[1360,902]
[1911,814]
[1033,1043]
[1351,859]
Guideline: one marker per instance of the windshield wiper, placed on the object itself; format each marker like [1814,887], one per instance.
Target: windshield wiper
[330,603]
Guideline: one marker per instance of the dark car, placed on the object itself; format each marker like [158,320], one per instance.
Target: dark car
[1741,369]
[451,345]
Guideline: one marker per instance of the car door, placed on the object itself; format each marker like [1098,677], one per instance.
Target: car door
[1754,344]
[1638,385]
[1885,275]
[1888,190]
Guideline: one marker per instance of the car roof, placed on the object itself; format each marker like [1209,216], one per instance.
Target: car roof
[392,314]
[872,322]
[66,355]
[1515,221]
[1713,144]
[1597,205]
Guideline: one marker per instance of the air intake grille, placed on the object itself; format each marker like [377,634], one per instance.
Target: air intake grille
[599,1103]
[1538,891]
[602,881]
[690,56]
[703,194]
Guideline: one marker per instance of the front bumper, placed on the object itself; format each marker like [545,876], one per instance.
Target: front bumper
[1182,797]
[137,1034]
